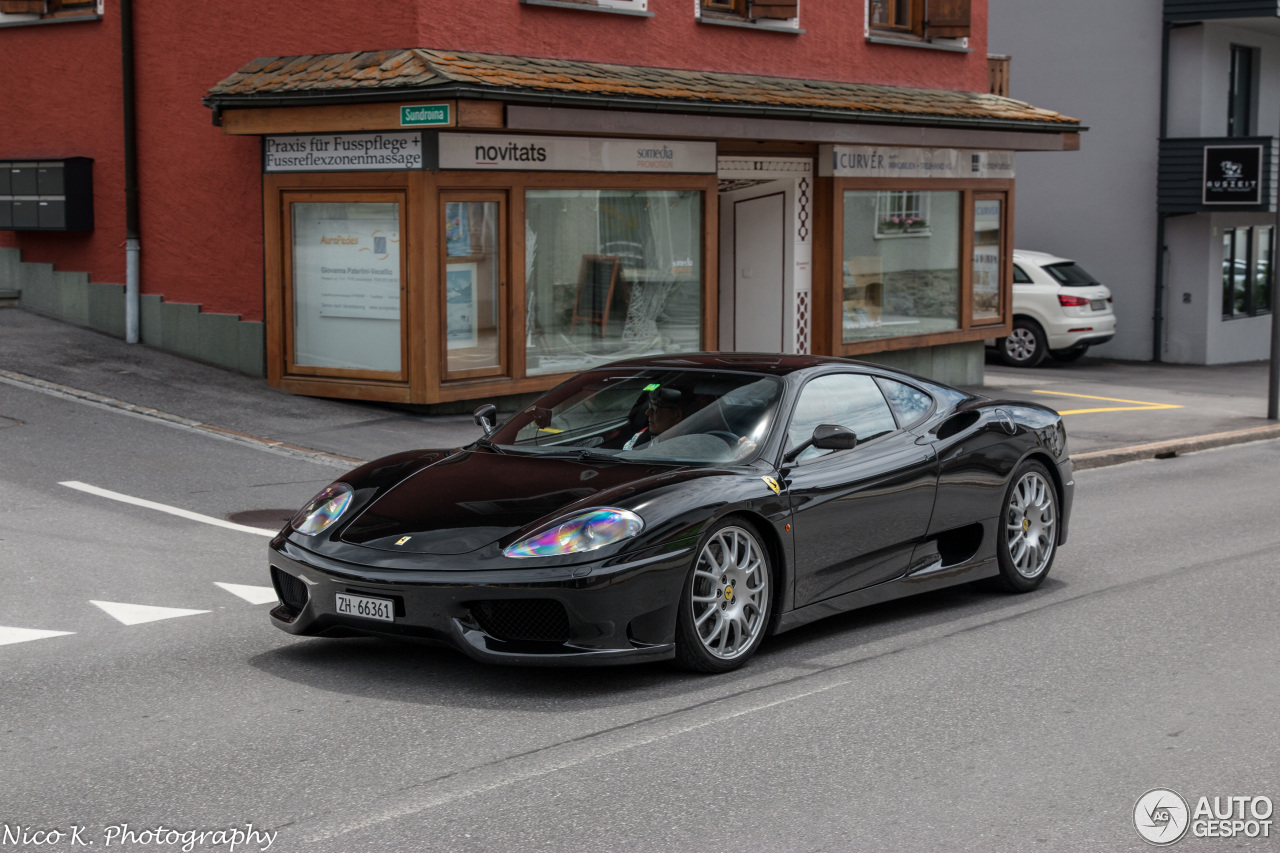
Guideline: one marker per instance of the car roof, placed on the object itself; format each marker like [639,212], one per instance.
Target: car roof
[1039,258]
[775,364]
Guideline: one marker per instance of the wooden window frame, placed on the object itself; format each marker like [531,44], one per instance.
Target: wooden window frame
[753,11]
[828,255]
[505,339]
[287,331]
[919,15]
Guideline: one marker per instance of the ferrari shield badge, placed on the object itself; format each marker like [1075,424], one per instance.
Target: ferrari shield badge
[402,540]
[772,484]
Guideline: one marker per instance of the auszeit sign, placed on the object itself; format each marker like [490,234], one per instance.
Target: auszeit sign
[867,161]
[1233,174]
[574,154]
[343,152]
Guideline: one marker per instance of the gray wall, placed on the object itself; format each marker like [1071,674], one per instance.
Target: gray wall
[1098,61]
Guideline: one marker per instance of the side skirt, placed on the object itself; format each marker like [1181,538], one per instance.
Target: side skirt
[921,581]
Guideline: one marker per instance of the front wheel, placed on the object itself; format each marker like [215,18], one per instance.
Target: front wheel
[724,608]
[1029,538]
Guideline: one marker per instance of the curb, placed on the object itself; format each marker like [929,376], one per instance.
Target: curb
[1171,448]
[268,444]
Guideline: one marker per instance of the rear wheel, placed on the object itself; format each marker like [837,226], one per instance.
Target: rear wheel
[1029,538]
[1072,354]
[724,607]
[1025,346]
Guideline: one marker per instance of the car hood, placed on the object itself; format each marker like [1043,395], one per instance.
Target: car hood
[474,498]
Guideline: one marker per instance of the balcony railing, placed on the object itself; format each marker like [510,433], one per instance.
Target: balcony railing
[1183,167]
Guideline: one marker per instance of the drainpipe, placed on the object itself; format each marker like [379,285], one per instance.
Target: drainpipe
[1273,378]
[1157,330]
[132,244]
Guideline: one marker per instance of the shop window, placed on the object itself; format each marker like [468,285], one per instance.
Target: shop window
[988,252]
[345,267]
[473,306]
[610,274]
[923,18]
[902,213]
[1247,272]
[893,288]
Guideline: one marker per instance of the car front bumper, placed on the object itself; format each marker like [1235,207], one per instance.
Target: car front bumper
[607,612]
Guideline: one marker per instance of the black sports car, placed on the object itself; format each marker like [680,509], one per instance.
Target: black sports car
[681,507]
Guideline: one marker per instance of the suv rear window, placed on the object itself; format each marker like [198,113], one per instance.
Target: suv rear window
[1071,275]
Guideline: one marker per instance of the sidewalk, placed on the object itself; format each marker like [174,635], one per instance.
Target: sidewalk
[1144,403]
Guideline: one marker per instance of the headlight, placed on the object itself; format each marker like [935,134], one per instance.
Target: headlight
[585,531]
[323,509]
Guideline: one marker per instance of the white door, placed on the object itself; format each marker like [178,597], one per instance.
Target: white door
[759,233]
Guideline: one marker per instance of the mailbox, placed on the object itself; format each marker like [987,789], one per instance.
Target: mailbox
[46,195]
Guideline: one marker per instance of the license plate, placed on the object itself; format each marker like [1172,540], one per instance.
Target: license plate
[1098,304]
[382,609]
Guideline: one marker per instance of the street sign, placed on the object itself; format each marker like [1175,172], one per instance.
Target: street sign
[425,115]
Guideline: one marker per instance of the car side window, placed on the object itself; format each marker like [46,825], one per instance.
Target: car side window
[909,404]
[850,400]
[1020,275]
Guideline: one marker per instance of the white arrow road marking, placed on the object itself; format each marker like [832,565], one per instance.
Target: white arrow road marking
[172,510]
[22,635]
[136,614]
[251,594]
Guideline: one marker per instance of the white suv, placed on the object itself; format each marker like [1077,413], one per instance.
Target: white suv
[1058,309]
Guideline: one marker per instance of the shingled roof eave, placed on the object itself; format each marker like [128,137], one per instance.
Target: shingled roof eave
[450,90]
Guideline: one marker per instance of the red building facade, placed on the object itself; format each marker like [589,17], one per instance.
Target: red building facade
[885,78]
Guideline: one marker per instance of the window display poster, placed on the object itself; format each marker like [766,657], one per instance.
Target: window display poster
[351,267]
[986,258]
[460,302]
[457,230]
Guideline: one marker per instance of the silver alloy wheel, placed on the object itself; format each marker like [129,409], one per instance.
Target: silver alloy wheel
[730,593]
[1031,523]
[1021,344]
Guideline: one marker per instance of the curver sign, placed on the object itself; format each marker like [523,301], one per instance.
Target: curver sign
[867,161]
[1232,174]
[574,154]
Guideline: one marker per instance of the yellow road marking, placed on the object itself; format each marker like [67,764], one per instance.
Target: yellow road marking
[1139,405]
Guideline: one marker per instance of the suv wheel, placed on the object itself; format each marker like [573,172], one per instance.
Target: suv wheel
[1025,346]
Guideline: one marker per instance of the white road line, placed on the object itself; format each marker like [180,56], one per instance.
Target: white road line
[137,614]
[251,594]
[22,635]
[172,510]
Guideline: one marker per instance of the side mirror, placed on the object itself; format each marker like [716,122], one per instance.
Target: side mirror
[833,437]
[485,417]
[825,437]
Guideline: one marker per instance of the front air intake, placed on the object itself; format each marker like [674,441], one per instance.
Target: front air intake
[291,591]
[523,619]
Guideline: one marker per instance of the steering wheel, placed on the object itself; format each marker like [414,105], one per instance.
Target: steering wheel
[730,438]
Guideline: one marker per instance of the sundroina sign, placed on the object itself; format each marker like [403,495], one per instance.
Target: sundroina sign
[574,154]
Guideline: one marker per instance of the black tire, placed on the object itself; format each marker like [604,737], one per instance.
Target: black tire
[1068,355]
[1025,346]
[737,599]
[1027,536]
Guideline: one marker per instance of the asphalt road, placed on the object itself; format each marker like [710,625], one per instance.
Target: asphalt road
[961,720]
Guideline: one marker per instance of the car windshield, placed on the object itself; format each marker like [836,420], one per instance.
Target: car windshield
[649,415]
[1071,275]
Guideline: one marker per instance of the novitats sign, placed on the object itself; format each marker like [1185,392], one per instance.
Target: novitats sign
[574,154]
[343,152]
[867,161]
